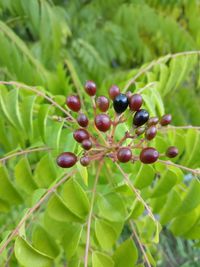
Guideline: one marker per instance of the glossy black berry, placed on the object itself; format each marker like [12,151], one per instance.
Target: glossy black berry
[102,103]
[102,122]
[82,120]
[140,117]
[149,155]
[80,135]
[120,103]
[153,121]
[124,154]
[87,144]
[135,102]
[66,160]
[172,152]
[113,91]
[73,103]
[90,88]
[85,161]
[151,132]
[166,119]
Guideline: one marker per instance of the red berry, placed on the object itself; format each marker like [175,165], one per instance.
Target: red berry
[85,161]
[135,102]
[82,120]
[140,117]
[102,122]
[166,119]
[102,103]
[87,144]
[153,121]
[140,130]
[172,152]
[66,160]
[124,154]
[128,94]
[151,132]
[73,103]
[149,155]
[113,91]
[80,135]
[90,88]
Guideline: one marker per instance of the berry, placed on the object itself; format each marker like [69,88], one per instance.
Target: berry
[102,122]
[120,103]
[113,91]
[66,160]
[153,121]
[166,119]
[73,103]
[140,130]
[140,117]
[102,103]
[135,102]
[151,132]
[124,154]
[87,144]
[128,94]
[80,135]
[90,88]
[149,155]
[172,152]
[85,161]
[82,120]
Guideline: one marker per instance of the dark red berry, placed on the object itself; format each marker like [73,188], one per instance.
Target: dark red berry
[80,135]
[90,88]
[128,94]
[149,155]
[82,120]
[120,103]
[73,103]
[166,119]
[102,122]
[66,160]
[85,160]
[172,152]
[102,103]
[153,121]
[113,91]
[140,117]
[151,132]
[140,130]
[87,144]
[124,154]
[135,102]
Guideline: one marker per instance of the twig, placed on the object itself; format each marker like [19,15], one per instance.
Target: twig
[31,210]
[90,215]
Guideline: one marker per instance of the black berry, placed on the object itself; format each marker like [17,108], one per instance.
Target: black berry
[73,103]
[172,152]
[90,88]
[135,102]
[102,122]
[82,120]
[124,154]
[85,161]
[113,91]
[149,155]
[87,144]
[80,135]
[120,103]
[140,117]
[66,160]
[153,121]
[166,119]
[151,132]
[102,103]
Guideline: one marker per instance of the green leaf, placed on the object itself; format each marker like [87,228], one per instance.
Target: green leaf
[83,172]
[100,259]
[28,256]
[42,120]
[126,251]
[53,134]
[144,176]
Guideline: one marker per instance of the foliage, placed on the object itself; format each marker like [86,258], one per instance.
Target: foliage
[53,46]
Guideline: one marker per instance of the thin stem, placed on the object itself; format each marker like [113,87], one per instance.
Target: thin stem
[24,152]
[136,192]
[140,244]
[34,208]
[145,87]
[90,215]
[180,127]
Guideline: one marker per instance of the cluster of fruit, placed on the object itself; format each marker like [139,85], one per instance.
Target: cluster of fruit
[143,129]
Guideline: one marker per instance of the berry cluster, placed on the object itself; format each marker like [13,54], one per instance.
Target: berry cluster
[97,146]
